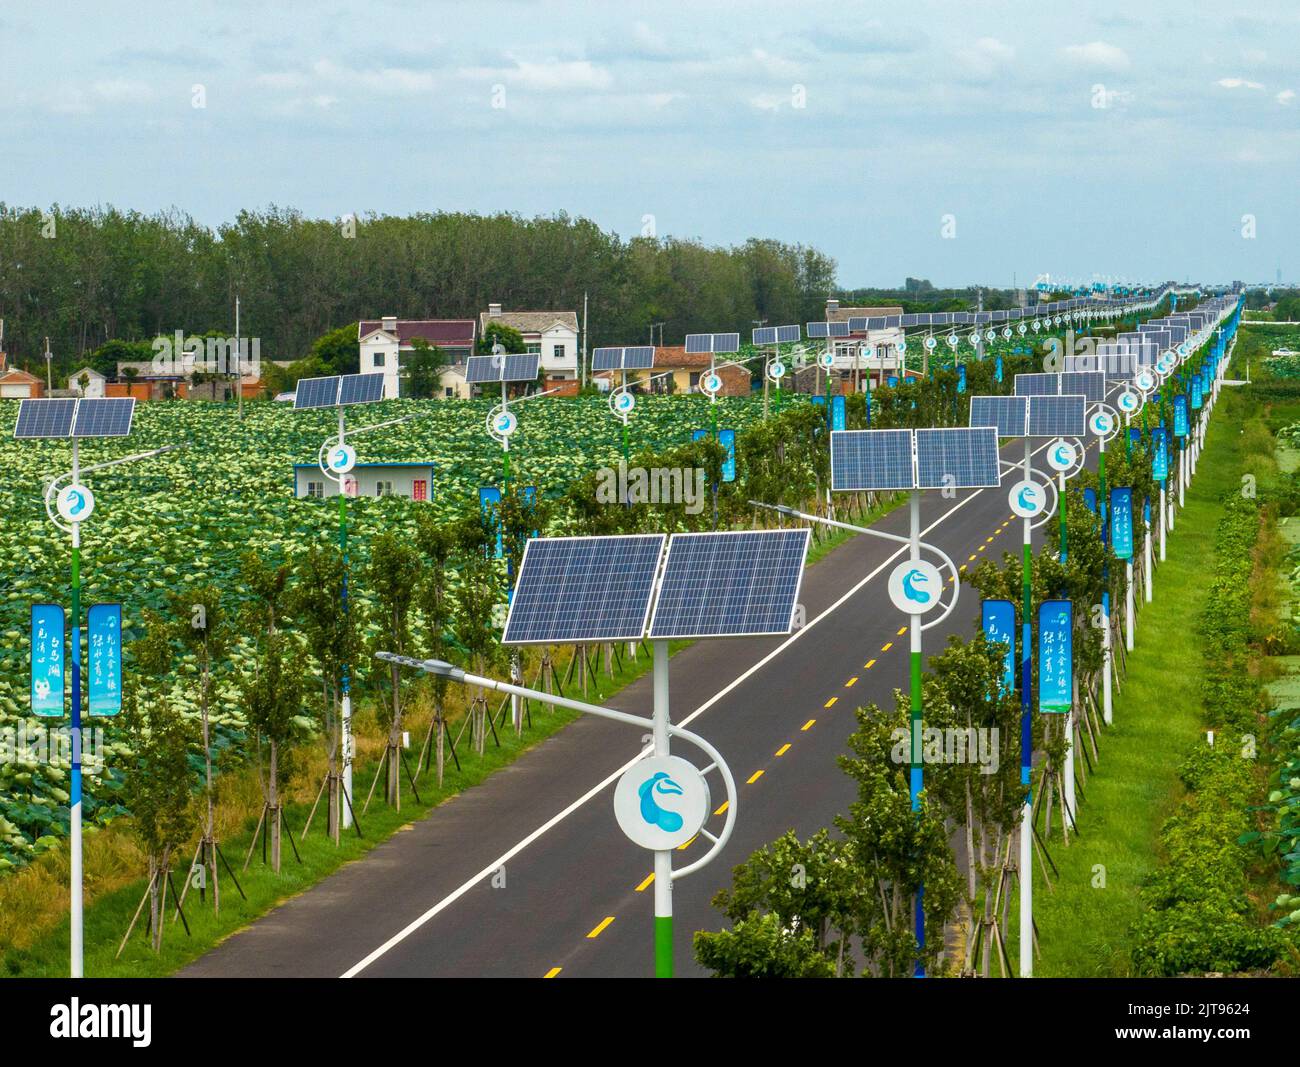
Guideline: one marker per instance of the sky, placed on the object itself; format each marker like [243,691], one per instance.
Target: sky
[964,143]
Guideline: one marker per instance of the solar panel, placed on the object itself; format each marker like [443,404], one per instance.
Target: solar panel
[1037,384]
[765,335]
[612,358]
[44,418]
[695,342]
[361,388]
[316,392]
[731,584]
[726,342]
[1056,416]
[962,458]
[786,334]
[871,459]
[640,357]
[522,367]
[909,320]
[857,324]
[1007,414]
[1092,384]
[106,417]
[818,329]
[839,329]
[580,589]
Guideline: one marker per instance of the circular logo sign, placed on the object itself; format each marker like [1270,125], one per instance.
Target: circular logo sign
[1027,499]
[914,586]
[1022,329]
[827,360]
[902,345]
[1057,320]
[1006,333]
[711,383]
[661,802]
[930,342]
[1036,325]
[1145,381]
[624,402]
[341,459]
[952,340]
[776,370]
[1128,401]
[1182,350]
[75,503]
[1101,423]
[1061,455]
[501,422]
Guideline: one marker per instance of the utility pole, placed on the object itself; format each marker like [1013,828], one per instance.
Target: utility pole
[239,363]
[584,340]
[49,374]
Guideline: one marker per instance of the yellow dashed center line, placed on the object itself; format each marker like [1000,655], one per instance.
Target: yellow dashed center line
[783,749]
[649,881]
[830,703]
[552,972]
[886,646]
[851,681]
[725,805]
[603,923]
[808,725]
[962,567]
[754,777]
[683,848]
[869,664]
[989,541]
[902,630]
[980,549]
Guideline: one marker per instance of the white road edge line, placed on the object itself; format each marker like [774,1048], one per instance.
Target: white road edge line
[560,816]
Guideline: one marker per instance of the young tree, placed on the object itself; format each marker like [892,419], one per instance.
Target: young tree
[436,543]
[499,333]
[475,600]
[423,369]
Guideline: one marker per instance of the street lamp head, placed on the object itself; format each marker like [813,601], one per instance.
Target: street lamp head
[430,666]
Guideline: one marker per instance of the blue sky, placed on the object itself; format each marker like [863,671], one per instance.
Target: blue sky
[851,127]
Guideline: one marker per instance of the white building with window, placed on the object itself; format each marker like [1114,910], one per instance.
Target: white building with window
[551,334]
[386,345]
[412,481]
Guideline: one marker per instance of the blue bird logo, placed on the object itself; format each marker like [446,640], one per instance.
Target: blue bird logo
[1028,499]
[651,812]
[1063,456]
[909,586]
[78,503]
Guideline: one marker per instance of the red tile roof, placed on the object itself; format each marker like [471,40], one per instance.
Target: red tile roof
[454,333]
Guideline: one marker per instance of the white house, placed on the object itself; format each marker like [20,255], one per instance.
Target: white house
[413,481]
[452,383]
[385,343]
[87,382]
[551,334]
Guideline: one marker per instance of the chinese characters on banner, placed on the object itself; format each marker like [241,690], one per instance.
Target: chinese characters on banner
[1180,415]
[999,622]
[104,645]
[489,501]
[1055,657]
[1121,522]
[47,660]
[1160,456]
[837,414]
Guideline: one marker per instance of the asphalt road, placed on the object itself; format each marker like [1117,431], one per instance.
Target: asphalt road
[528,875]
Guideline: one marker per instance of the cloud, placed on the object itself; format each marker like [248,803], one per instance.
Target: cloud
[873,38]
[553,76]
[121,91]
[1097,55]
[1238,83]
[985,57]
[1285,96]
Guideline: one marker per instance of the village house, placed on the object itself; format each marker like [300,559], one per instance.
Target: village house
[386,345]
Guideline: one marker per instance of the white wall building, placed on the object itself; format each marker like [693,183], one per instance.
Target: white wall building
[551,334]
[413,481]
[386,345]
[87,382]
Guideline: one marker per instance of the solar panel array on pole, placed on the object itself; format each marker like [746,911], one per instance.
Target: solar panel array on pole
[316,393]
[42,418]
[786,334]
[104,417]
[60,417]
[1056,416]
[361,388]
[580,589]
[712,342]
[730,584]
[765,335]
[1009,415]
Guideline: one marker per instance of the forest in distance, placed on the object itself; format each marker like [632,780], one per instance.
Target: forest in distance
[84,276]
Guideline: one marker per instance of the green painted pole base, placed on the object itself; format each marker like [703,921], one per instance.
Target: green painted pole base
[663,946]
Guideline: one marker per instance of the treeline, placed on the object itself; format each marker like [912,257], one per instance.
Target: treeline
[83,276]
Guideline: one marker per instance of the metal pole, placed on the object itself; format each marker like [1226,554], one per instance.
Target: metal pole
[239,363]
[75,919]
[1129,621]
[663,857]
[346,709]
[916,770]
[1146,556]
[1105,593]
[1026,750]
[1063,554]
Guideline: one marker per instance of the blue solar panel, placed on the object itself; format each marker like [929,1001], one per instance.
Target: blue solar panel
[957,458]
[695,342]
[522,367]
[786,334]
[612,358]
[857,324]
[361,389]
[641,357]
[1056,416]
[1092,384]
[765,335]
[726,342]
[732,584]
[580,589]
[1006,414]
[106,417]
[839,329]
[816,330]
[44,418]
[1038,384]
[871,459]
[316,392]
